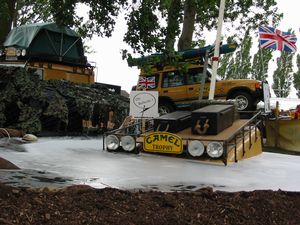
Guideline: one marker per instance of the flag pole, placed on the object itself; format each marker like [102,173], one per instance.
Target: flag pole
[261,57]
[215,59]
[262,63]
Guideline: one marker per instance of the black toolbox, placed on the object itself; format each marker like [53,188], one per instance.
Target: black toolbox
[173,122]
[217,117]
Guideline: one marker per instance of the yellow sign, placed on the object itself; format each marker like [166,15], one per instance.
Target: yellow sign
[163,142]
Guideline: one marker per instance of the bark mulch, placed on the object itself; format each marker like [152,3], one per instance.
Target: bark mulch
[85,205]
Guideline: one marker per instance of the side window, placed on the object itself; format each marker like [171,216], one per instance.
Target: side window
[172,79]
[148,82]
[195,76]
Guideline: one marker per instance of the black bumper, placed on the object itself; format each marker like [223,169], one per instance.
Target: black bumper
[258,95]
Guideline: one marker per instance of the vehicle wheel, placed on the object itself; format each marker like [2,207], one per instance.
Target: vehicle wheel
[165,107]
[244,100]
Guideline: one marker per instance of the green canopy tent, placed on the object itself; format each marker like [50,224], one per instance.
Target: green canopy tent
[47,41]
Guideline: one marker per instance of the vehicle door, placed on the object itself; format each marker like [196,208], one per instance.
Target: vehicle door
[174,85]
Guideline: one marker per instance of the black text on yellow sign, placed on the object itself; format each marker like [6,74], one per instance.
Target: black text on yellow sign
[163,142]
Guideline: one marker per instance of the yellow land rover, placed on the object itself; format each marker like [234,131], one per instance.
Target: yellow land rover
[179,88]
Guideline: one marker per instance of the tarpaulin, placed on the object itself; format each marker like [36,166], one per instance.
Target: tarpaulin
[287,134]
[47,41]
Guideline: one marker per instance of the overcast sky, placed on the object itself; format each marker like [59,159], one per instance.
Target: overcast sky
[113,70]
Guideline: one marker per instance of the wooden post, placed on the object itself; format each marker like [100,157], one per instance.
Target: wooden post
[143,125]
[110,124]
[276,124]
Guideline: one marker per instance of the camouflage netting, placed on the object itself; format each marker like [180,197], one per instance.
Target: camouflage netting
[36,106]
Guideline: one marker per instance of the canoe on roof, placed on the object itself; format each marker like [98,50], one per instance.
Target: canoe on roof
[186,55]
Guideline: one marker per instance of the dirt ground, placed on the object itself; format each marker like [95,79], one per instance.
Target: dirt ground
[85,205]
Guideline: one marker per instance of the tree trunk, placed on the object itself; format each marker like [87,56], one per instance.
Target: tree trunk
[173,24]
[185,40]
[6,21]
[15,14]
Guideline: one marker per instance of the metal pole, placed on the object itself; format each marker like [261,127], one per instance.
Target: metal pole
[262,64]
[203,76]
[215,58]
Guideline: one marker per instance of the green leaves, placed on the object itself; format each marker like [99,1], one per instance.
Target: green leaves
[296,77]
[144,32]
[261,64]
[283,75]
[238,65]
[157,25]
[33,11]
[153,25]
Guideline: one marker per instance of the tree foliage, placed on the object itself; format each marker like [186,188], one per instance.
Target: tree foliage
[32,11]
[101,15]
[153,25]
[283,75]
[7,13]
[100,18]
[225,64]
[196,16]
[18,12]
[296,76]
[144,29]
[237,65]
[243,58]
[260,64]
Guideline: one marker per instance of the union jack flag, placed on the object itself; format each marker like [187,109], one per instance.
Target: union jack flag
[272,38]
[147,82]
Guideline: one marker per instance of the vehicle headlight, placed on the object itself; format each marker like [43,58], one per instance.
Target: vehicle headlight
[23,52]
[112,142]
[18,52]
[215,149]
[128,143]
[196,148]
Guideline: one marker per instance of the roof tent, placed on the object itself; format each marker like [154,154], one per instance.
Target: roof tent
[47,41]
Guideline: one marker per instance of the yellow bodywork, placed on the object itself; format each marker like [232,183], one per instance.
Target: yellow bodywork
[283,134]
[55,71]
[190,88]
